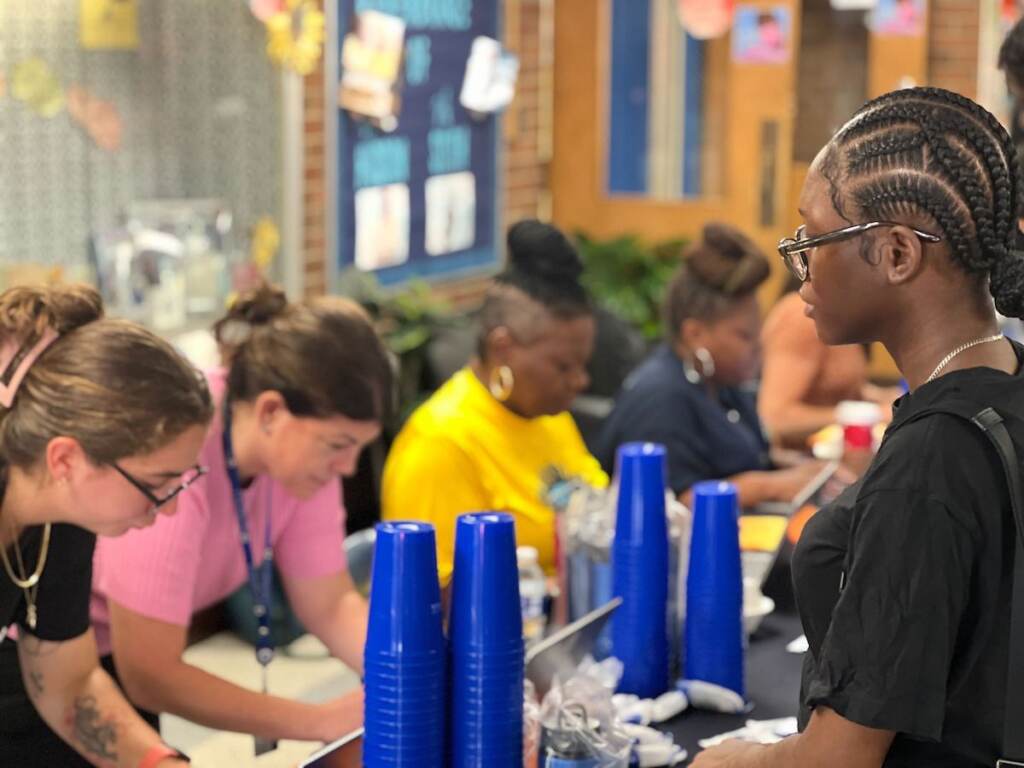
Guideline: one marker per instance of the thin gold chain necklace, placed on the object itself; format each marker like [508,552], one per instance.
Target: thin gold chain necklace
[962,348]
[28,584]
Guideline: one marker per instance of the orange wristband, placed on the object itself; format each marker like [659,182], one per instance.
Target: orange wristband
[157,753]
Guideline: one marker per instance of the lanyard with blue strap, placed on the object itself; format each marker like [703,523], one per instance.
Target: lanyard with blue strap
[259,577]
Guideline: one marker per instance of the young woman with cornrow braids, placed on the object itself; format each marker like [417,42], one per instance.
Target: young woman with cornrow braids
[904,584]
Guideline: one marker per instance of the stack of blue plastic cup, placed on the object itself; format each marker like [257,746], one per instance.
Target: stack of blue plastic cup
[714,589]
[405,653]
[486,640]
[640,570]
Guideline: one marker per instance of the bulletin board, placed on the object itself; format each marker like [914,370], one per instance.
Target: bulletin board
[421,201]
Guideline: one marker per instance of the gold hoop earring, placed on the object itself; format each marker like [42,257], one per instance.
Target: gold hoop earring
[501,383]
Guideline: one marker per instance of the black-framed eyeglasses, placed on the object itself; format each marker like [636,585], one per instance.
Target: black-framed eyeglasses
[187,478]
[794,249]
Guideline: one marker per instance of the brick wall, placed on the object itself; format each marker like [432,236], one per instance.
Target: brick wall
[953,29]
[314,186]
[527,127]
[525,155]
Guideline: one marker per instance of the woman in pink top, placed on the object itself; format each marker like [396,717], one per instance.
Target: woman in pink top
[305,391]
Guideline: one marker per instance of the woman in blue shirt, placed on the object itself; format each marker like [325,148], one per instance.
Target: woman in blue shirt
[689,394]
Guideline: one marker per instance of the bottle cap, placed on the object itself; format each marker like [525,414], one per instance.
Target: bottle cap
[527,555]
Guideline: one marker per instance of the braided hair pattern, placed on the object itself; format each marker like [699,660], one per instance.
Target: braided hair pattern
[935,155]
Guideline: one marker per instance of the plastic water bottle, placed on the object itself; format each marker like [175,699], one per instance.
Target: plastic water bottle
[532,592]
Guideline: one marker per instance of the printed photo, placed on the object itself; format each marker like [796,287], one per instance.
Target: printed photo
[451,213]
[371,62]
[382,226]
[761,35]
[898,18]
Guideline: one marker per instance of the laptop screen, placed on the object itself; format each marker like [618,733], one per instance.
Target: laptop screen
[346,752]
[561,652]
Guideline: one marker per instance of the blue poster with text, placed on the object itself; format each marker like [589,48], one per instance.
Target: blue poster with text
[417,175]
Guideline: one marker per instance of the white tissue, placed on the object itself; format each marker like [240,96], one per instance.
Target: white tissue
[640,712]
[607,672]
[643,734]
[659,754]
[758,731]
[624,700]
[704,695]
[799,645]
[668,705]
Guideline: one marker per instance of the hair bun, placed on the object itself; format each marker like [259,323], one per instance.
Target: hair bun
[727,261]
[27,310]
[255,307]
[259,305]
[536,249]
[1006,283]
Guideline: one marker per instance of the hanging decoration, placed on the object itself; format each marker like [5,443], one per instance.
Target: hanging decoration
[264,243]
[1010,11]
[266,239]
[705,19]
[35,83]
[489,84]
[108,25]
[100,119]
[295,36]
[265,9]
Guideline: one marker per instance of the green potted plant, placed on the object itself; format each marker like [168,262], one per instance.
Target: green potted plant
[628,277]
[408,319]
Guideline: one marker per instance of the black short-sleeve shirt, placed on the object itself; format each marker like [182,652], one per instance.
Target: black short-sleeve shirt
[62,602]
[705,439]
[903,584]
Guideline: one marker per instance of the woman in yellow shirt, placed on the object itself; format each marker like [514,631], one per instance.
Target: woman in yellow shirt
[497,434]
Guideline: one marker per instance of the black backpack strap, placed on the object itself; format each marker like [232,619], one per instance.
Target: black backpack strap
[991,423]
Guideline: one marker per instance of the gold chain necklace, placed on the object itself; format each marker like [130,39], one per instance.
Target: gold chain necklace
[962,348]
[28,584]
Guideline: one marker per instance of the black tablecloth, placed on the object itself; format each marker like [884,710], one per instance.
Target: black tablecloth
[773,685]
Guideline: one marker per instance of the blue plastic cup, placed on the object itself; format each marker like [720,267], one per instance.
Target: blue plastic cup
[405,654]
[640,570]
[713,649]
[485,636]
[640,509]
[405,598]
[486,612]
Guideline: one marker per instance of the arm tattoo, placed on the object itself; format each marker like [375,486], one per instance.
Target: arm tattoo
[35,647]
[97,736]
[35,650]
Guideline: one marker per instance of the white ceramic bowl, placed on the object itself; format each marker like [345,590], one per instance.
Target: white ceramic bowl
[755,608]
